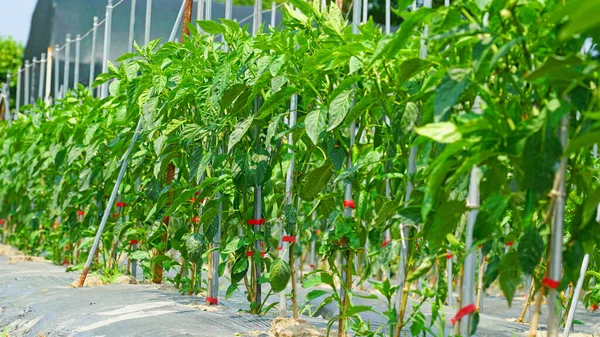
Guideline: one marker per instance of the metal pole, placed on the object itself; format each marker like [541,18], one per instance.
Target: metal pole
[7,115]
[228,9]
[148,21]
[110,203]
[556,241]
[388,16]
[131,26]
[77,60]
[56,73]
[468,290]
[107,36]
[27,65]
[208,9]
[18,102]
[200,14]
[257,19]
[42,77]
[576,294]
[32,93]
[273,13]
[365,10]
[93,55]
[313,238]
[67,64]
[450,277]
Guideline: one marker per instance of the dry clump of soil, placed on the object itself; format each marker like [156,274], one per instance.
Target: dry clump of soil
[290,327]
[204,307]
[90,281]
[25,258]
[8,250]
[126,279]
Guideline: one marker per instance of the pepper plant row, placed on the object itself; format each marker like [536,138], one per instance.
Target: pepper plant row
[483,108]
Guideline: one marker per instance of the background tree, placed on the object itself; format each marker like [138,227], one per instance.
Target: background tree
[11,57]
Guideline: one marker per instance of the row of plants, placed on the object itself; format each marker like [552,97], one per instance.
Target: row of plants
[373,114]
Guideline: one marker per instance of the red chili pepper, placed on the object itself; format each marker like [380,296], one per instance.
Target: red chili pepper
[385,243]
[80,213]
[594,307]
[349,204]
[55,225]
[197,192]
[115,215]
[192,200]
[2,221]
[449,256]
[196,219]
[133,242]
[318,232]
[166,220]
[463,312]
[509,243]
[262,254]
[249,254]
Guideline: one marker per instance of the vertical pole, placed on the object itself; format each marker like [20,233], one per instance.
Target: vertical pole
[450,277]
[257,212]
[49,63]
[67,64]
[388,16]
[365,10]
[228,9]
[188,8]
[177,23]
[77,60]
[131,26]
[208,9]
[313,238]
[148,22]
[107,36]
[556,241]
[56,73]
[18,102]
[42,79]
[480,293]
[93,55]
[27,65]
[273,13]
[32,93]
[7,115]
[468,290]
[200,14]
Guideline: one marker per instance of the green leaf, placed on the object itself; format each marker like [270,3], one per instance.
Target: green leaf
[359,108]
[449,91]
[338,109]
[275,101]
[279,275]
[315,181]
[315,124]
[240,130]
[509,275]
[211,27]
[442,132]
[173,125]
[503,50]
[316,294]
[530,250]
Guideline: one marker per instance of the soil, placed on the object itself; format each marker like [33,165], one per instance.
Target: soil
[8,250]
[25,258]
[126,279]
[90,281]
[204,307]
[290,327]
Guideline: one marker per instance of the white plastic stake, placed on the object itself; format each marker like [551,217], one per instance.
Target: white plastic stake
[106,54]
[468,289]
[148,22]
[556,241]
[576,294]
[27,65]
[56,73]
[77,60]
[67,63]
[131,26]
[93,55]
[18,102]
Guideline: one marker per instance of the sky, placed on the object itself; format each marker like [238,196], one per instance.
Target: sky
[15,18]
